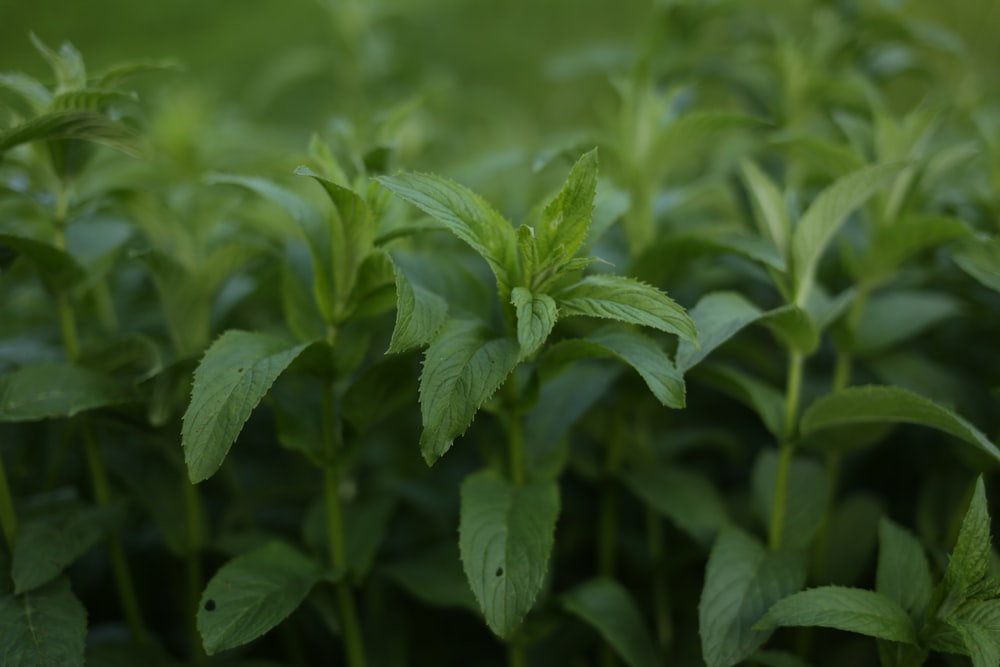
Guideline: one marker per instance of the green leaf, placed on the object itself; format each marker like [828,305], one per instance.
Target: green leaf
[536,316]
[903,574]
[67,63]
[778,659]
[742,581]
[969,565]
[983,646]
[848,609]
[761,397]
[608,607]
[565,221]
[46,626]
[120,72]
[894,317]
[47,545]
[805,503]
[29,88]
[858,405]
[771,211]
[684,497]
[826,215]
[82,125]
[626,300]
[434,577]
[793,326]
[467,216]
[55,389]
[506,535]
[232,378]
[253,593]
[420,314]
[851,539]
[718,317]
[981,260]
[58,270]
[463,368]
[893,245]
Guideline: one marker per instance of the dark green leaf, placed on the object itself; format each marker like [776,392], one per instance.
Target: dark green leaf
[848,609]
[794,327]
[232,378]
[46,626]
[903,574]
[742,581]
[58,270]
[717,317]
[684,497]
[805,502]
[506,535]
[609,608]
[981,260]
[463,368]
[565,221]
[894,317]
[857,405]
[626,300]
[762,398]
[969,564]
[420,313]
[434,577]
[253,593]
[536,316]
[54,389]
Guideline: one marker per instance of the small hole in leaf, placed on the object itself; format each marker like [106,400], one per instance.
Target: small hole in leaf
[209,605]
[239,370]
[499,571]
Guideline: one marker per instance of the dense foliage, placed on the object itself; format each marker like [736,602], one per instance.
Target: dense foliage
[703,372]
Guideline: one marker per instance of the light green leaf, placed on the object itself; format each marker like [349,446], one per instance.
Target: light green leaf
[626,300]
[969,565]
[903,574]
[868,404]
[893,317]
[253,593]
[981,261]
[565,221]
[29,88]
[805,502]
[848,609]
[55,389]
[67,63]
[463,368]
[771,211]
[684,497]
[506,535]
[742,581]
[232,378]
[47,545]
[467,216]
[123,71]
[46,626]
[608,607]
[536,316]
[826,215]
[718,317]
[420,313]
[82,125]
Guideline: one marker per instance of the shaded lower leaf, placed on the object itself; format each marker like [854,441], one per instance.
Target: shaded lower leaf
[981,260]
[848,609]
[856,405]
[506,535]
[805,502]
[742,581]
[58,270]
[686,498]
[761,397]
[46,626]
[606,605]
[253,593]
[903,574]
[55,389]
[434,577]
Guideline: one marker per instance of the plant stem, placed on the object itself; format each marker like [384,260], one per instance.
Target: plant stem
[661,600]
[119,563]
[195,529]
[793,390]
[515,655]
[8,519]
[353,640]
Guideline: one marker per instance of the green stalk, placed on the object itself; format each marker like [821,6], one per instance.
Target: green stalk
[8,519]
[353,641]
[793,392]
[515,655]
[661,600]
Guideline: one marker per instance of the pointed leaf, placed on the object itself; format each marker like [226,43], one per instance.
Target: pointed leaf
[969,564]
[506,535]
[58,270]
[718,317]
[761,397]
[463,368]
[848,609]
[48,544]
[29,88]
[420,313]
[626,300]
[903,574]
[467,216]
[566,219]
[771,211]
[894,317]
[858,405]
[46,626]
[742,581]
[253,593]
[983,645]
[608,607]
[55,389]
[536,316]
[232,378]
[684,497]
[82,125]
[826,215]
[893,245]
[794,326]
[981,260]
